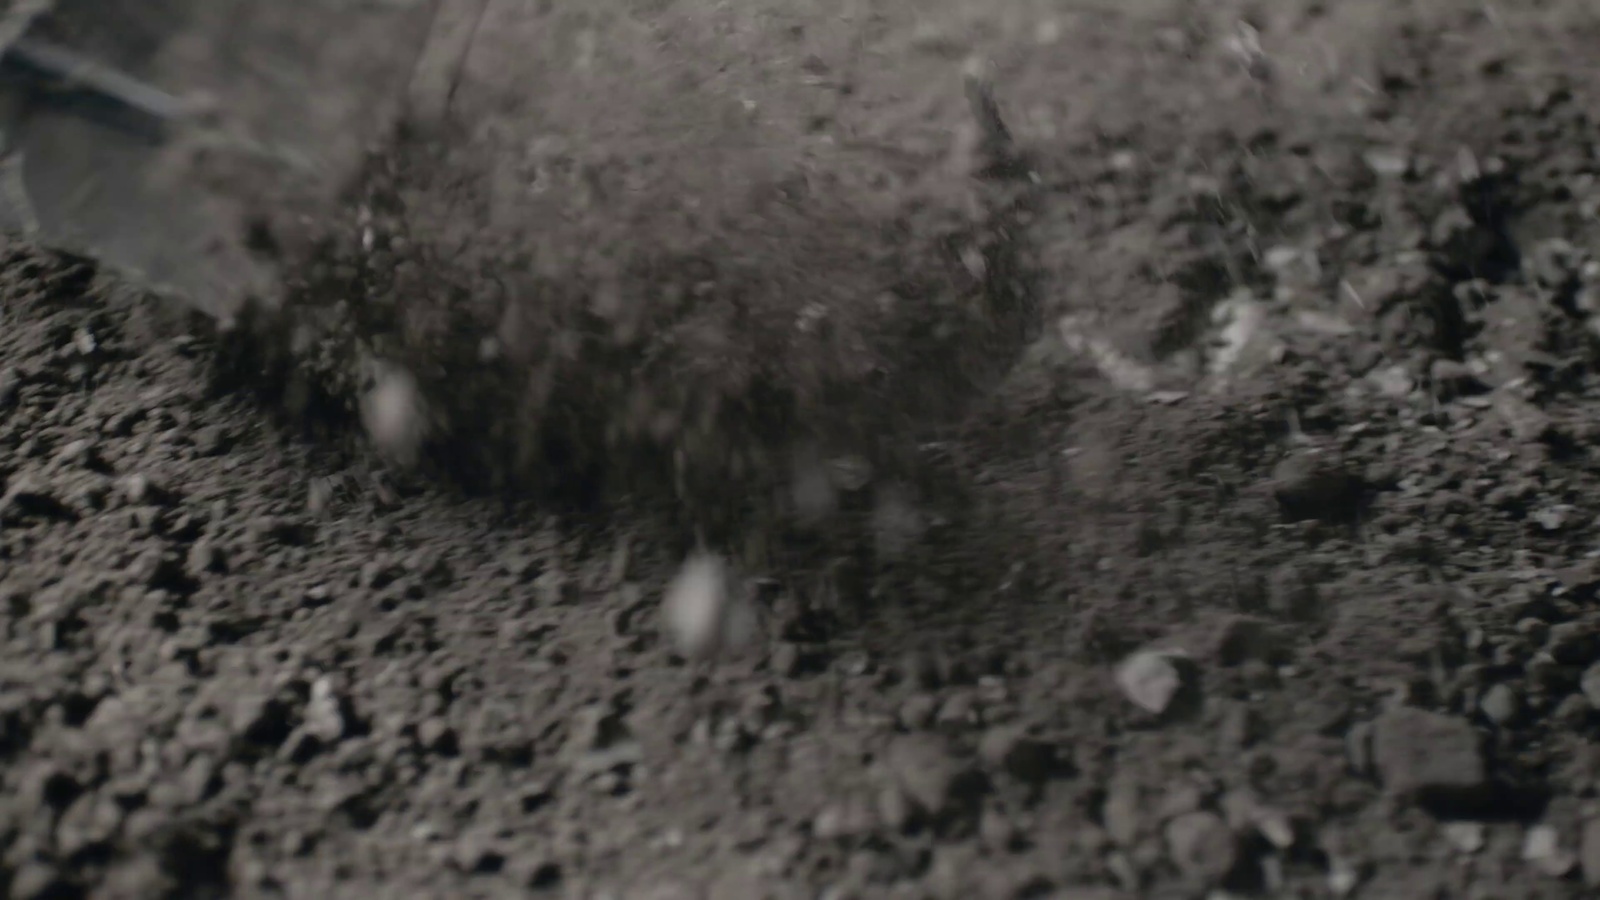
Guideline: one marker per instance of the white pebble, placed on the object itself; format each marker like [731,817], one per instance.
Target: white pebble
[1151,679]
[703,615]
[392,412]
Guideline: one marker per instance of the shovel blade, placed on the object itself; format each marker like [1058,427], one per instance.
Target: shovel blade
[186,143]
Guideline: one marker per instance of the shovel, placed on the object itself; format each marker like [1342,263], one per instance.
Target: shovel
[192,144]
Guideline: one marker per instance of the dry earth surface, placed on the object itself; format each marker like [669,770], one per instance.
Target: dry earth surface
[1257,557]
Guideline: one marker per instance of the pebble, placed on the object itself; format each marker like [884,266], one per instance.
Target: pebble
[930,775]
[1012,750]
[1417,752]
[1589,683]
[1237,639]
[1343,877]
[1541,847]
[10,387]
[918,710]
[1467,837]
[393,415]
[1500,704]
[1152,679]
[702,614]
[1121,812]
[435,734]
[324,715]
[1202,846]
[1316,486]
[1589,853]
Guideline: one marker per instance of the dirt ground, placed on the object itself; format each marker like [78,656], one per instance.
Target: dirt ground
[1229,528]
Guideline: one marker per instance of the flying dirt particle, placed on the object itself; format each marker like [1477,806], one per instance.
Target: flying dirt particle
[392,413]
[703,613]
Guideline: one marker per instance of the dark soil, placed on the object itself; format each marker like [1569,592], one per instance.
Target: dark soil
[1227,524]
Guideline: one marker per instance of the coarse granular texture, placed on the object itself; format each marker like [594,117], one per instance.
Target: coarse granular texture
[1294,479]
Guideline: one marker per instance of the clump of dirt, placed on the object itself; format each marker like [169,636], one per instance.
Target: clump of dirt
[675,294]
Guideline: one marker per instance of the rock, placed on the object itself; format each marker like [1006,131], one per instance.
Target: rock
[141,490]
[1122,812]
[10,387]
[703,613]
[393,414]
[1468,837]
[1013,751]
[1153,679]
[1429,756]
[204,558]
[785,660]
[1541,848]
[261,720]
[1452,379]
[933,778]
[1202,846]
[851,817]
[1500,704]
[1317,486]
[31,497]
[1343,877]
[1572,643]
[37,881]
[1240,638]
[1292,593]
[1589,853]
[325,715]
[894,807]
[918,710]
[436,735]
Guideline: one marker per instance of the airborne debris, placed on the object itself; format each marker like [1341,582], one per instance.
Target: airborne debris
[393,413]
[705,611]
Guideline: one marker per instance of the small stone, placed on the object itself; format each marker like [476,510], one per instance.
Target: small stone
[319,496]
[703,612]
[140,490]
[1541,848]
[324,715]
[930,775]
[1152,679]
[1012,750]
[1500,704]
[1589,853]
[997,832]
[1591,686]
[204,558]
[1202,846]
[1428,755]
[1122,812]
[786,660]
[10,387]
[1316,486]
[1240,638]
[29,496]
[849,818]
[394,415]
[36,881]
[1343,877]
[1468,837]
[435,734]
[918,710]
[894,807]
[1572,643]
[260,720]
